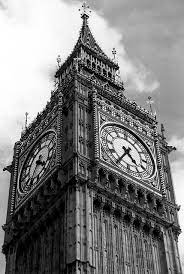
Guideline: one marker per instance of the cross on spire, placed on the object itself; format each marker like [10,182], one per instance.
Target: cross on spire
[85,7]
[85,11]
[150,102]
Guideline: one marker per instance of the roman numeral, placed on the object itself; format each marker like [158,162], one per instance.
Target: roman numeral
[125,136]
[39,145]
[50,143]
[110,142]
[117,133]
[138,172]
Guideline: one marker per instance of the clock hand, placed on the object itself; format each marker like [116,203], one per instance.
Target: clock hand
[120,158]
[38,163]
[32,178]
[126,151]
[130,156]
[34,172]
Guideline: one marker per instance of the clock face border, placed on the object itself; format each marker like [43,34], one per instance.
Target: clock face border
[33,158]
[150,169]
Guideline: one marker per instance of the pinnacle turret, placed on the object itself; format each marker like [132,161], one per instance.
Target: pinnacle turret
[87,41]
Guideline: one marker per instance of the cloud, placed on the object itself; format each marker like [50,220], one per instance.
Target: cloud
[135,74]
[178,143]
[33,36]
[138,77]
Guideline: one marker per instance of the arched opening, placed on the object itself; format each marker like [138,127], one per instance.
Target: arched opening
[159,207]
[93,65]
[101,176]
[140,197]
[150,201]
[112,182]
[121,186]
[88,63]
[109,75]
[104,72]
[99,69]
[131,192]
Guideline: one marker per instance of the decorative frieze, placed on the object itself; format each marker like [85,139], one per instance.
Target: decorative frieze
[121,115]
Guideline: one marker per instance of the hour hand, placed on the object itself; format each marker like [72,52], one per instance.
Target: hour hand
[126,152]
[120,158]
[39,161]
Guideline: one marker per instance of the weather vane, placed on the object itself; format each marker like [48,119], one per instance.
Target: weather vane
[150,102]
[58,61]
[85,9]
[114,53]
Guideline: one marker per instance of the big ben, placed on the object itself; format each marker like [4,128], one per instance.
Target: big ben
[91,188]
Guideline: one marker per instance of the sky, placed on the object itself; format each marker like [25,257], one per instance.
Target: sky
[149,40]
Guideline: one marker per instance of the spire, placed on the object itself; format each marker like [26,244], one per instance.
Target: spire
[86,40]
[86,37]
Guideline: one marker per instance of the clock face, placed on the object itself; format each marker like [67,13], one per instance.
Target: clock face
[127,151]
[37,162]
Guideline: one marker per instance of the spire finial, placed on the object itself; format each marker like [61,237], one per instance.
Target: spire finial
[114,53]
[26,115]
[150,102]
[163,131]
[58,61]
[85,11]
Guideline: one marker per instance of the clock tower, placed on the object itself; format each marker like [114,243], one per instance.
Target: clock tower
[91,188]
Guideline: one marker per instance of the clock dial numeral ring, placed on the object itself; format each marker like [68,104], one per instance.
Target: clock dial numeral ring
[127,151]
[37,162]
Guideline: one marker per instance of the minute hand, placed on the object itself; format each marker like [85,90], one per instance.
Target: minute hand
[130,156]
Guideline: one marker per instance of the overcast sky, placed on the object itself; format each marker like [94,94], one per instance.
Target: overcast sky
[149,40]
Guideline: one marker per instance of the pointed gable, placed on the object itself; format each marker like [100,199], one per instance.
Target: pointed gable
[87,39]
